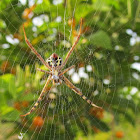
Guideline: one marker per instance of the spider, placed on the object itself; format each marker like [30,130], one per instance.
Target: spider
[56,74]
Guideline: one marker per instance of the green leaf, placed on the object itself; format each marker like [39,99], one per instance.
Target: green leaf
[82,10]
[2,24]
[2,100]
[8,84]
[43,7]
[97,123]
[3,4]
[101,39]
[3,83]
[29,97]
[118,102]
[103,136]
[20,76]
[5,109]
[11,114]
[129,118]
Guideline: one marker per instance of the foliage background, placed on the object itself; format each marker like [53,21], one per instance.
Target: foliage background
[107,61]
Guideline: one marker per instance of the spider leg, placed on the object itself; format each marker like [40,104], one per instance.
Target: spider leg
[66,70]
[76,90]
[34,50]
[43,71]
[40,97]
[73,46]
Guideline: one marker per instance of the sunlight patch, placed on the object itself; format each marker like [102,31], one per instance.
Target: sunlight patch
[75,78]
[56,2]
[136,66]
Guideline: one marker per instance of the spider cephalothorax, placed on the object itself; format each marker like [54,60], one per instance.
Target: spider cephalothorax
[56,74]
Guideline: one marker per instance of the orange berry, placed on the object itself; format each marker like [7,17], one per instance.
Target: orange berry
[27,12]
[5,66]
[26,24]
[119,134]
[25,103]
[98,113]
[71,22]
[18,36]
[86,29]
[48,88]
[13,71]
[17,106]
[74,33]
[38,121]
[95,129]
[81,64]
[23,121]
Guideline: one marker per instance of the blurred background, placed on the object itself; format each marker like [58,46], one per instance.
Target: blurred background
[107,69]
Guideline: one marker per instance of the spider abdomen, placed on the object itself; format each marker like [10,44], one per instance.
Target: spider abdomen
[54,60]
